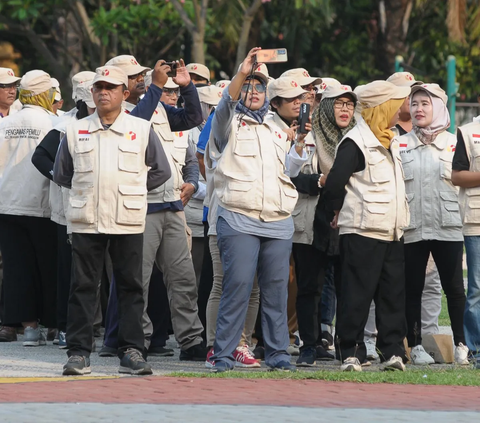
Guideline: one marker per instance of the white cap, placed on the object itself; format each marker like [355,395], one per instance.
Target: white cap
[302,76]
[403,79]
[7,76]
[79,78]
[111,74]
[56,85]
[128,64]
[199,69]
[36,81]
[333,91]
[433,89]
[84,92]
[379,92]
[223,83]
[326,82]
[260,72]
[210,95]
[285,87]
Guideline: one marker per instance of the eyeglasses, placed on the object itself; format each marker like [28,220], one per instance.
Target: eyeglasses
[310,87]
[13,85]
[339,104]
[97,87]
[259,88]
[138,75]
[301,97]
[170,92]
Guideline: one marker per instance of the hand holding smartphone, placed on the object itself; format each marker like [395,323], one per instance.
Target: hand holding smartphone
[277,55]
[303,118]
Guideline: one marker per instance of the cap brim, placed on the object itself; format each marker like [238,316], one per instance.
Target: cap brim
[90,104]
[262,77]
[293,93]
[402,92]
[134,69]
[199,74]
[308,80]
[10,80]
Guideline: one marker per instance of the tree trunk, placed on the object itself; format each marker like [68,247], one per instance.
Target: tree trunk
[248,17]
[393,24]
[198,42]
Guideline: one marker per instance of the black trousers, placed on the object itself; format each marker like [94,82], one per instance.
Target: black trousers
[29,250]
[206,281]
[158,309]
[64,276]
[448,258]
[371,270]
[310,267]
[88,255]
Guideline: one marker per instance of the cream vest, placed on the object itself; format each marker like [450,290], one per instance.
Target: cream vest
[304,212]
[109,185]
[249,177]
[24,191]
[375,204]
[431,196]
[469,198]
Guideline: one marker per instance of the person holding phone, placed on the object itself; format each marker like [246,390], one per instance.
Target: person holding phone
[254,227]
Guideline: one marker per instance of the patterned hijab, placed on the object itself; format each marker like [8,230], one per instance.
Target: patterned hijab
[325,128]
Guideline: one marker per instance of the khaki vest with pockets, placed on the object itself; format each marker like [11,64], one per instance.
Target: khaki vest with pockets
[375,204]
[469,198]
[249,177]
[109,192]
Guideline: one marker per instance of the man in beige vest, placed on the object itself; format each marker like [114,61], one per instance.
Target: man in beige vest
[466,175]
[109,161]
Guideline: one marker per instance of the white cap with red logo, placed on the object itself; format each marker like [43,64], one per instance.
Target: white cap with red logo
[111,74]
[199,69]
[7,76]
[285,87]
[128,64]
[302,76]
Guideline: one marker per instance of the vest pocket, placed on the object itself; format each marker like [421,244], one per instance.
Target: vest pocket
[131,205]
[380,171]
[411,206]
[239,191]
[376,214]
[472,209]
[129,157]
[84,156]
[450,210]
[80,209]
[445,168]
[288,193]
[246,147]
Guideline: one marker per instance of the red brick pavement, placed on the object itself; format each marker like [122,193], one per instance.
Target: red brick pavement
[303,393]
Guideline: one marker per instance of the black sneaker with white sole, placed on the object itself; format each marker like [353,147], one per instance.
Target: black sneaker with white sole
[77,365]
[133,363]
[307,357]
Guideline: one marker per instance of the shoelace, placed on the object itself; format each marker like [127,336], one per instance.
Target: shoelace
[76,359]
[134,355]
[246,352]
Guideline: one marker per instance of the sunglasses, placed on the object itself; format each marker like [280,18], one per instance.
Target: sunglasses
[259,88]
[14,85]
[170,91]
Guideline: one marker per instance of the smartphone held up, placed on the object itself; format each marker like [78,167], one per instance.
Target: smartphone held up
[303,118]
[276,55]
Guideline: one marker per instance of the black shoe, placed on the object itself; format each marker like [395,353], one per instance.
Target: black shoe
[133,363]
[284,366]
[77,365]
[323,354]
[51,334]
[8,334]
[327,339]
[196,353]
[307,357]
[108,352]
[160,352]
[259,352]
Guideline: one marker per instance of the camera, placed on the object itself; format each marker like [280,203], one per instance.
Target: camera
[173,69]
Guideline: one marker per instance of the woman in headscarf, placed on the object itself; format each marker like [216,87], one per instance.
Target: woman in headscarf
[27,235]
[366,192]
[254,227]
[315,243]
[435,222]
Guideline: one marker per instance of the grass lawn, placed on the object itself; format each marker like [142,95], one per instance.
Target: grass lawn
[443,319]
[423,376]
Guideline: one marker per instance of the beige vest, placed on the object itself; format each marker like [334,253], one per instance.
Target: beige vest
[375,204]
[109,193]
[24,191]
[304,212]
[249,177]
[432,198]
[469,198]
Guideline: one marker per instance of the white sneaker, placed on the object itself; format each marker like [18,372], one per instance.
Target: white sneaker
[293,349]
[461,355]
[371,348]
[419,356]
[34,337]
[351,364]
[395,363]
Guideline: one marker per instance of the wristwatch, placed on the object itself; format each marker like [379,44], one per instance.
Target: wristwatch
[319,178]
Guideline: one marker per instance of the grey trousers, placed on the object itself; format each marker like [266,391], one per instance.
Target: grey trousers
[165,243]
[242,255]
[431,304]
[216,293]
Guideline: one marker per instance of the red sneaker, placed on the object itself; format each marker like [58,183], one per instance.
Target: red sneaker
[209,363]
[244,358]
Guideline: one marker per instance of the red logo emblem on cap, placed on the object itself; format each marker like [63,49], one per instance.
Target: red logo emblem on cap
[424,85]
[324,86]
[222,85]
[106,72]
[294,84]
[219,94]
[305,73]
[195,67]
[409,77]
[259,69]
[344,88]
[133,62]
[10,73]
